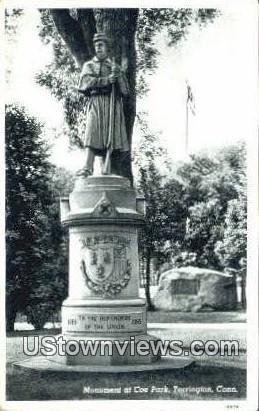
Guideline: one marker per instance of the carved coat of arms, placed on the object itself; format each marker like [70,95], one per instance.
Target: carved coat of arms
[105,266]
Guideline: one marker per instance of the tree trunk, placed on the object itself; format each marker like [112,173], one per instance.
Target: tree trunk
[11,311]
[243,292]
[120,25]
[150,306]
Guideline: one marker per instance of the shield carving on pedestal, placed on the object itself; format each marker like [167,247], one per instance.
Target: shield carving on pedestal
[99,262]
[106,268]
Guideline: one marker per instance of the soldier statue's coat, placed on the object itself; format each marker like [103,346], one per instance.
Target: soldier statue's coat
[95,84]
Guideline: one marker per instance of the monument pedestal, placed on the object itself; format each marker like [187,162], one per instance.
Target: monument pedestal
[103,306]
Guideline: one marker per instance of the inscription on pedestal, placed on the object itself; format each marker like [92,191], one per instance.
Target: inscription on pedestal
[105,323]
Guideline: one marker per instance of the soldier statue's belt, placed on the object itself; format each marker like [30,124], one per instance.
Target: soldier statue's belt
[100,91]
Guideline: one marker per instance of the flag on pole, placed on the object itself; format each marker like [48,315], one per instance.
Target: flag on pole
[190,99]
[190,105]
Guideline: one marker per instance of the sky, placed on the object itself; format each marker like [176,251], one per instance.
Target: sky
[217,62]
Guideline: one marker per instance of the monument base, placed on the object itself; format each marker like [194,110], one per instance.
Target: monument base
[121,350]
[106,332]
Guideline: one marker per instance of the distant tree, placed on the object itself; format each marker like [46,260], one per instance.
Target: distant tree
[215,193]
[51,281]
[182,259]
[204,228]
[194,175]
[234,238]
[62,182]
[232,248]
[165,212]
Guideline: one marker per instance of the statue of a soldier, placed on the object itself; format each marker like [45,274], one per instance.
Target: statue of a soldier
[105,84]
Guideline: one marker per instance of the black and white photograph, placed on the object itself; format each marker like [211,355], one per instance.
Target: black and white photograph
[130,274]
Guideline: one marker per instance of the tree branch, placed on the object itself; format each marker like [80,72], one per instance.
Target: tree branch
[88,26]
[71,32]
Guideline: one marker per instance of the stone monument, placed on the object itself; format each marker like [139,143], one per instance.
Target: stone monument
[103,216]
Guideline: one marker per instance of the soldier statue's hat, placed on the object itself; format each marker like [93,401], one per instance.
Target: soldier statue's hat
[101,37]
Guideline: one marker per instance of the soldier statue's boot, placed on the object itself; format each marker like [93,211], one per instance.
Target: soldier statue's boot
[84,172]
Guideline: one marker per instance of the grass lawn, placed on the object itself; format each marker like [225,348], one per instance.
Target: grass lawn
[200,317]
[24,385]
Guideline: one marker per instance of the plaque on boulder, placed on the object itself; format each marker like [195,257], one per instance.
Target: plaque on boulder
[185,286]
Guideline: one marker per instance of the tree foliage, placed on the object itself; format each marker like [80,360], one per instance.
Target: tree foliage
[176,24]
[231,250]
[36,255]
[51,285]
[12,17]
[26,197]
[215,189]
[12,23]
[165,212]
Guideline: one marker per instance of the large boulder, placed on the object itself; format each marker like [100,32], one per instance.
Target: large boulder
[192,289]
